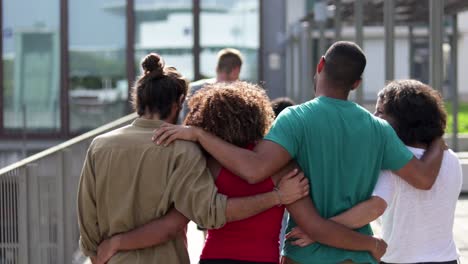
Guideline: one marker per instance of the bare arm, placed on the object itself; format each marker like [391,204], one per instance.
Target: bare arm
[356,217]
[292,187]
[362,214]
[332,234]
[422,173]
[252,166]
[154,233]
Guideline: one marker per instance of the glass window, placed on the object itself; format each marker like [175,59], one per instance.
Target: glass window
[165,27]
[31,57]
[97,51]
[229,24]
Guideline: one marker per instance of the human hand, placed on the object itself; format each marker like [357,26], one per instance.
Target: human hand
[440,141]
[301,239]
[292,187]
[379,250]
[107,249]
[167,133]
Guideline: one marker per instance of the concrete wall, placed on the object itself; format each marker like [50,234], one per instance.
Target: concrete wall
[463,55]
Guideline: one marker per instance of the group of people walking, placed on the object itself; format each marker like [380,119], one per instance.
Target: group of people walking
[233,168]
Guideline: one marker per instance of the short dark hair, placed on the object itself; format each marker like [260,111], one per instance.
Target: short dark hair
[228,60]
[158,87]
[416,109]
[344,63]
[239,112]
[281,103]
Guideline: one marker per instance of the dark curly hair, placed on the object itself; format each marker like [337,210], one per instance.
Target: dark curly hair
[158,87]
[281,103]
[417,111]
[239,112]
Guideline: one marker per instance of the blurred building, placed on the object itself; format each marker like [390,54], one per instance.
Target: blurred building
[67,65]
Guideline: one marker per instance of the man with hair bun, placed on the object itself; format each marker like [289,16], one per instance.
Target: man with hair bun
[127,181]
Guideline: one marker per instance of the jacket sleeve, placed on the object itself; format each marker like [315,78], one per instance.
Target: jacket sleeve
[193,191]
[87,213]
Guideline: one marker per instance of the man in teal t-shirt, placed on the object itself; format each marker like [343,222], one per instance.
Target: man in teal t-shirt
[341,148]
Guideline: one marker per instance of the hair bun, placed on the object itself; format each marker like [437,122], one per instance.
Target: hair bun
[153,65]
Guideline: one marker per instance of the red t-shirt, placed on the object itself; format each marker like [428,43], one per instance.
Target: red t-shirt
[253,239]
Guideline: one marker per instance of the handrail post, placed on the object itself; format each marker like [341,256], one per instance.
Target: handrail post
[23,230]
[59,183]
[33,210]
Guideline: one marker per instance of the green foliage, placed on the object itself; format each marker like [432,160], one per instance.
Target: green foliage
[462,117]
[87,69]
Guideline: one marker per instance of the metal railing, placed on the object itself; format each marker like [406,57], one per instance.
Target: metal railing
[38,222]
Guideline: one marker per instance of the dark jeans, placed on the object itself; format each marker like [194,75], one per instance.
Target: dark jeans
[230,261]
[445,262]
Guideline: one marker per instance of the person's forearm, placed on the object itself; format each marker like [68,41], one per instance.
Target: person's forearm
[247,164]
[432,160]
[245,207]
[154,233]
[361,214]
[325,231]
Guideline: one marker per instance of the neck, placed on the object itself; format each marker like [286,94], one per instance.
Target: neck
[223,77]
[327,90]
[156,117]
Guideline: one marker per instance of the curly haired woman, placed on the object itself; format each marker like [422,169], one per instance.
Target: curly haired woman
[241,114]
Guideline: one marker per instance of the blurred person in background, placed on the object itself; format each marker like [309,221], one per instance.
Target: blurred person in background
[281,103]
[228,69]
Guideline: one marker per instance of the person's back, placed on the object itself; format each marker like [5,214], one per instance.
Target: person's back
[127,181]
[341,147]
[252,239]
[418,224]
[135,183]
[241,114]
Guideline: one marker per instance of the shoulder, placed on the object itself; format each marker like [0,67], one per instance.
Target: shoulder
[381,125]
[451,157]
[197,85]
[186,148]
[297,111]
[109,137]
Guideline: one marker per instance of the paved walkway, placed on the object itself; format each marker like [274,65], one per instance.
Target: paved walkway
[460,229]
[196,240]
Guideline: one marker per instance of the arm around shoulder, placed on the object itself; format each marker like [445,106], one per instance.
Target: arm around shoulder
[423,173]
[252,166]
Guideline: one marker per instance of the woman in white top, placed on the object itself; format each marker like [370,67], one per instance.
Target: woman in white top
[417,224]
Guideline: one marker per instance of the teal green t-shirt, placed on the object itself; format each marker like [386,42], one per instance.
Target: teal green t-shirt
[341,148]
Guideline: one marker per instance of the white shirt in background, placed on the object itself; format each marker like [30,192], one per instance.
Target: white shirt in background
[418,224]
